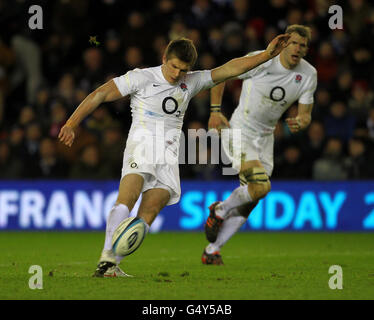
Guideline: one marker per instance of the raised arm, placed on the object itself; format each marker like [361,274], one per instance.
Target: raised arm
[237,66]
[303,118]
[106,93]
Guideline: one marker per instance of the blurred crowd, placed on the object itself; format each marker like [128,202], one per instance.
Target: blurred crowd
[45,74]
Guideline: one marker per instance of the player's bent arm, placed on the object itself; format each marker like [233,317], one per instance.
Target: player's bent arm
[304,115]
[217,120]
[106,93]
[303,118]
[216,94]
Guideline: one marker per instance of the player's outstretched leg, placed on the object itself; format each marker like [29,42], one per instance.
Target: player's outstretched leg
[107,259]
[129,191]
[213,223]
[255,185]
[233,222]
[107,263]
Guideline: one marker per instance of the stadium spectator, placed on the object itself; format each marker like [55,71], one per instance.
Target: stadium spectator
[331,165]
[339,123]
[215,40]
[361,100]
[158,47]
[112,52]
[57,118]
[356,15]
[111,147]
[89,165]
[43,100]
[178,29]
[92,72]
[292,165]
[312,149]
[233,41]
[323,102]
[240,11]
[10,165]
[164,12]
[66,89]
[276,11]
[361,60]
[342,87]
[16,138]
[136,31]
[49,165]
[26,116]
[133,58]
[33,135]
[339,41]
[326,63]
[203,14]
[358,163]
[27,65]
[253,36]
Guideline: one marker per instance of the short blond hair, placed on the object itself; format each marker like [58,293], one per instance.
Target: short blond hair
[301,30]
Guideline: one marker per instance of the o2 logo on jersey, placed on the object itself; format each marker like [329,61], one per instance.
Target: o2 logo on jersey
[170,106]
[277,94]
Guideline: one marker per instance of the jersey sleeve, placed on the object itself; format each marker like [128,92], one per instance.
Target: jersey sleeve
[310,87]
[253,71]
[200,80]
[129,82]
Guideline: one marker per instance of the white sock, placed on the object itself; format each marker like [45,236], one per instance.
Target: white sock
[238,197]
[118,213]
[229,227]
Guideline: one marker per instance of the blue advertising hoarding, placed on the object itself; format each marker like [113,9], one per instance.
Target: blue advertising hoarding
[290,206]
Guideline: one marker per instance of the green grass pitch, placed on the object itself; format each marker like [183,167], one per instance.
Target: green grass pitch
[168,266]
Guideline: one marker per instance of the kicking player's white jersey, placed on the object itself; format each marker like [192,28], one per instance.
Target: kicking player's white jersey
[269,89]
[158,108]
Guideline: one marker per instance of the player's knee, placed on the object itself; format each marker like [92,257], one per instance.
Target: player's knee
[259,191]
[258,182]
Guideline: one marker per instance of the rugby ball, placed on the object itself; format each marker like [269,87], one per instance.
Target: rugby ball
[128,236]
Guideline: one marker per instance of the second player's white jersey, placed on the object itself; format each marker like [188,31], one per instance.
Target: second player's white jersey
[269,89]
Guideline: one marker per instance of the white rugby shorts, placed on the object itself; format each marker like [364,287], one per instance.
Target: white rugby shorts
[254,146]
[159,169]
